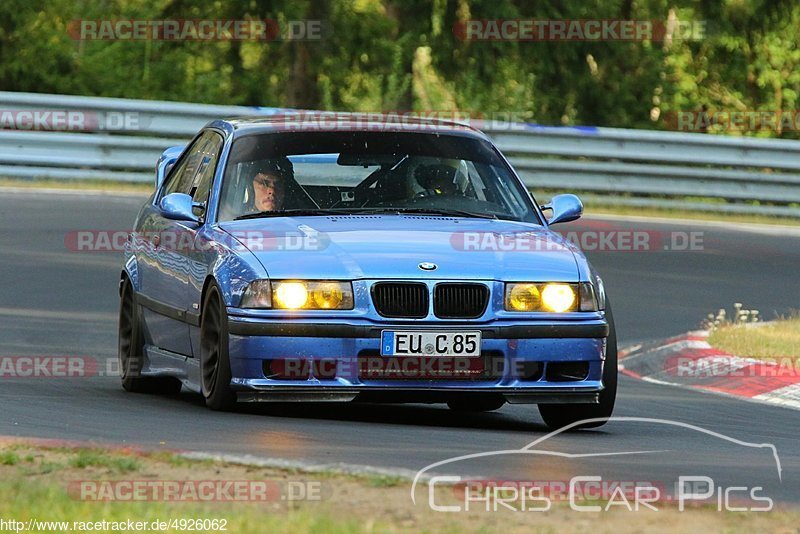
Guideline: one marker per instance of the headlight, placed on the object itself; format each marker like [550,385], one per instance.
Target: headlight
[558,297]
[550,297]
[523,297]
[332,295]
[290,295]
[257,295]
[299,295]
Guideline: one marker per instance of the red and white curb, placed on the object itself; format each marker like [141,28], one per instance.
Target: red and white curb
[689,361]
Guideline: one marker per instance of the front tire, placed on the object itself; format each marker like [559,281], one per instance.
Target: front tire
[131,350]
[560,415]
[215,366]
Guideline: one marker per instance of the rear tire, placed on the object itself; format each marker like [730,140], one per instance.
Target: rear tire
[131,350]
[560,415]
[215,366]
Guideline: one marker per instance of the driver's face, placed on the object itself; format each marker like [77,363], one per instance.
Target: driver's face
[268,192]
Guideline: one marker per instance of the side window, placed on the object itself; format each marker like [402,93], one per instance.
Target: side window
[182,179]
[207,164]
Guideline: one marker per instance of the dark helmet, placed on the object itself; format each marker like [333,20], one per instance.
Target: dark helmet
[437,179]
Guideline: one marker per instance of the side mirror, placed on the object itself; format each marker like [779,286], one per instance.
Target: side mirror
[565,208]
[165,163]
[178,207]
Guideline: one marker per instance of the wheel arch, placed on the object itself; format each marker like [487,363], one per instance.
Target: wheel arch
[207,283]
[130,271]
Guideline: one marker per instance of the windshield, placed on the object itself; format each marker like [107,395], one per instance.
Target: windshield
[320,173]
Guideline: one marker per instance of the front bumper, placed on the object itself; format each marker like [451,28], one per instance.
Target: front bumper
[527,359]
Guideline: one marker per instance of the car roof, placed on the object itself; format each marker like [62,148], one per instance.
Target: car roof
[335,121]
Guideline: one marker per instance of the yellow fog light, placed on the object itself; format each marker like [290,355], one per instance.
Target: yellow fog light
[558,297]
[523,297]
[327,295]
[290,295]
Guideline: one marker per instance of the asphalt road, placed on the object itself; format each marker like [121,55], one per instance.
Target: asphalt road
[54,301]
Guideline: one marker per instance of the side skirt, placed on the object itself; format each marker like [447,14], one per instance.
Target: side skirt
[165,363]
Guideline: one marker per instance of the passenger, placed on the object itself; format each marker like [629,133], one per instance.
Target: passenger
[436,180]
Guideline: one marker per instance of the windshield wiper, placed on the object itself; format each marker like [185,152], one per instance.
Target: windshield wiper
[432,211]
[291,213]
[399,211]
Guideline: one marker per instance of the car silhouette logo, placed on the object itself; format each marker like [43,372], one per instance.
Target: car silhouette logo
[427,266]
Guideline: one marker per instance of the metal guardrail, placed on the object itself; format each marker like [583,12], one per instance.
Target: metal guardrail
[614,166]
[122,140]
[660,169]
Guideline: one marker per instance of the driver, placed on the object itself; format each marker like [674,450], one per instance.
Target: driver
[439,179]
[269,184]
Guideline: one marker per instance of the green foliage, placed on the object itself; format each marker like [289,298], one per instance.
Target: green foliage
[97,458]
[385,481]
[381,55]
[9,458]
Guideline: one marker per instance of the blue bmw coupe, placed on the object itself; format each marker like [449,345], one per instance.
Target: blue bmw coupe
[361,260]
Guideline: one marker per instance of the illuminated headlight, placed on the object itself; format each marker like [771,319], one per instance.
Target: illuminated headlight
[550,297]
[558,297]
[290,295]
[299,295]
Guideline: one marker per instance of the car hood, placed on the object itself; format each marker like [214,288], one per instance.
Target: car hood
[393,246]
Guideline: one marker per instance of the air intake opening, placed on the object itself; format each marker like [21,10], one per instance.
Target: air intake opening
[299,369]
[567,371]
[529,371]
[291,369]
[324,369]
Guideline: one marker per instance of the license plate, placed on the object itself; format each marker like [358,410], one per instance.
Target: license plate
[410,343]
